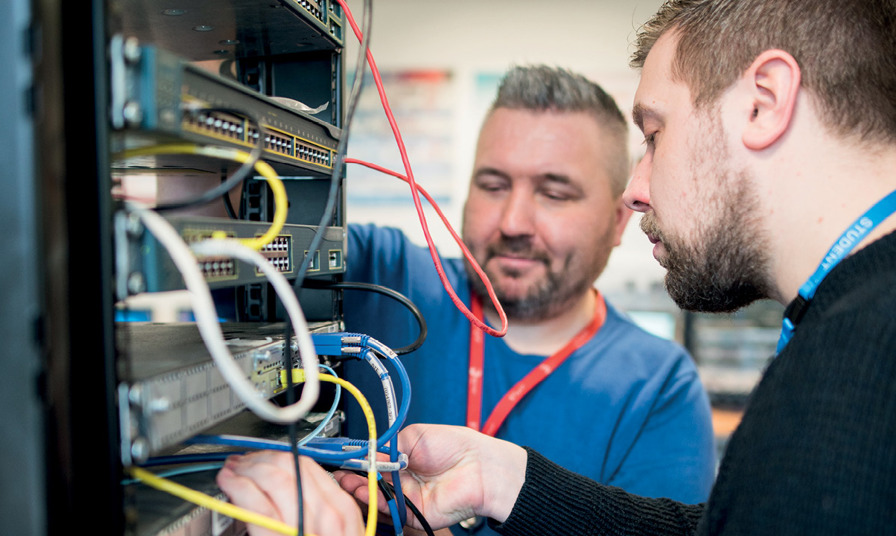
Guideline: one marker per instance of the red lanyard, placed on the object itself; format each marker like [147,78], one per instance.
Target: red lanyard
[533,378]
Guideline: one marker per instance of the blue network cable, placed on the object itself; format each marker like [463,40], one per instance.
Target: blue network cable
[329,416]
[342,344]
[341,452]
[336,446]
[189,469]
[394,511]
[354,344]
[387,352]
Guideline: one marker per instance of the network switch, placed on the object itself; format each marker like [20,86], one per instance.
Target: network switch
[158,97]
[145,266]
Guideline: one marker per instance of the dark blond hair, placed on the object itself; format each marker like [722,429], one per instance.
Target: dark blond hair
[846,50]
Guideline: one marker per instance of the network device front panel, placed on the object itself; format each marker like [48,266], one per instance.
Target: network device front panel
[173,389]
[263,76]
[281,48]
[202,30]
[145,265]
[158,97]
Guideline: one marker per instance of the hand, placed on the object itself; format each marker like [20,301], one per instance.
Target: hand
[453,474]
[264,482]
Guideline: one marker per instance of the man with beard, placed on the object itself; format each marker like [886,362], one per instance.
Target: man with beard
[770,171]
[543,212]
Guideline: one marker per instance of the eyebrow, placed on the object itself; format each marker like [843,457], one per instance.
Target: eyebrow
[640,112]
[479,172]
[557,178]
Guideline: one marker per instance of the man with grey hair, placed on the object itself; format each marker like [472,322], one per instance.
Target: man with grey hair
[543,212]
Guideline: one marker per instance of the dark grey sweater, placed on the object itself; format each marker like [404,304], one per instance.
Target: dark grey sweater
[815,453]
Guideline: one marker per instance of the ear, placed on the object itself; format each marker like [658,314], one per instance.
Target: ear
[623,213]
[773,81]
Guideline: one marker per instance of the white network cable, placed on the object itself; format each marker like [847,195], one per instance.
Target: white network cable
[210,329]
[383,373]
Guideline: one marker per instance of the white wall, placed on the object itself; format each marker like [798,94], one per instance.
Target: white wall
[468,38]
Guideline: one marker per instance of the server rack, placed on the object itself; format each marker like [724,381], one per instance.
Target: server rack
[69,358]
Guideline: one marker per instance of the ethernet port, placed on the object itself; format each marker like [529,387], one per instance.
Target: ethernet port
[335,259]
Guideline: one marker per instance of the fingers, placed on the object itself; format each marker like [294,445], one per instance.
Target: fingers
[264,482]
[260,484]
[352,483]
[243,492]
[408,437]
[359,487]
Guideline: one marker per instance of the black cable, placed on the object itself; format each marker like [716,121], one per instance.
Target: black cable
[294,449]
[326,217]
[228,207]
[339,159]
[386,488]
[419,516]
[238,176]
[385,291]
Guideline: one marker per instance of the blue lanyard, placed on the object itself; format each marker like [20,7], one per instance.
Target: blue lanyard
[841,248]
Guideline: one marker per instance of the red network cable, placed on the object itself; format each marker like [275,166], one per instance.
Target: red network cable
[409,178]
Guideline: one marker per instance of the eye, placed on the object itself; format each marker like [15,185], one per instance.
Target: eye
[650,139]
[555,195]
[490,183]
[560,191]
[490,186]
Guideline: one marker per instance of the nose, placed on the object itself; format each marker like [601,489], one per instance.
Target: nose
[518,214]
[637,194]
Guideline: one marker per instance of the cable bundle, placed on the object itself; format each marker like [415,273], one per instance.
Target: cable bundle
[346,453]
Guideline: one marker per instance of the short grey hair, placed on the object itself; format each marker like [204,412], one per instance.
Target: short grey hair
[542,88]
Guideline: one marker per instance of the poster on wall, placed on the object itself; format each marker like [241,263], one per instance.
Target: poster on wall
[422,102]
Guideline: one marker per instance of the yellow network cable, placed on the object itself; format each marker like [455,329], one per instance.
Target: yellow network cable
[263,169]
[230,510]
[298,376]
[217,505]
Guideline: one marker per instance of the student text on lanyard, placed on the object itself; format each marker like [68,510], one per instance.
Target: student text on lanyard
[533,378]
[882,210]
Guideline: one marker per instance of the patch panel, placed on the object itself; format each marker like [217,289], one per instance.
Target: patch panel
[162,514]
[314,154]
[217,268]
[336,20]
